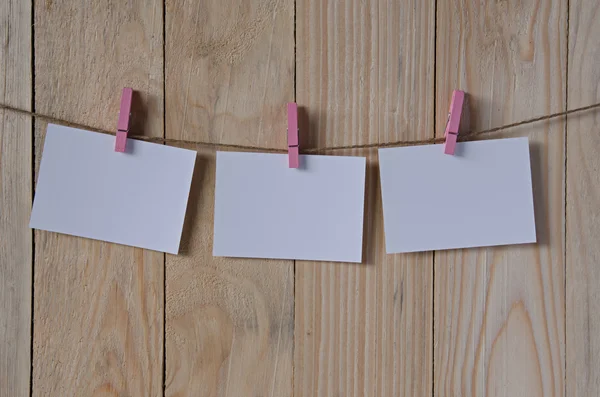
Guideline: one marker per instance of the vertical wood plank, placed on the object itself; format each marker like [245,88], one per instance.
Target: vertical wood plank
[583,201]
[15,199]
[365,75]
[230,322]
[98,307]
[229,70]
[499,312]
[365,70]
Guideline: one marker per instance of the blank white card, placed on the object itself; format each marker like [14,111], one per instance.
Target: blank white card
[263,209]
[86,189]
[481,196]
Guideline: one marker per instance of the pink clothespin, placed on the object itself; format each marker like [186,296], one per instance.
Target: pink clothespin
[123,124]
[454,114]
[292,133]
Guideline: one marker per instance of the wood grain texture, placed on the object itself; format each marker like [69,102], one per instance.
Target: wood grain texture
[365,70]
[583,202]
[15,199]
[365,330]
[499,312]
[365,75]
[229,70]
[98,312]
[230,323]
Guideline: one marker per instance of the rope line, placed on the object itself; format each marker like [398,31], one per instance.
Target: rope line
[462,136]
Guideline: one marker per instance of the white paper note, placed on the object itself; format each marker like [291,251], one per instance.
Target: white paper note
[481,196]
[263,209]
[87,189]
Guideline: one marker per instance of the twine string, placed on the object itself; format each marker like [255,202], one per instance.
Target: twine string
[461,137]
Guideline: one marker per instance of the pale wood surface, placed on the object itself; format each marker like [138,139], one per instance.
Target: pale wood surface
[365,75]
[15,199]
[499,312]
[518,320]
[583,203]
[365,330]
[98,307]
[229,70]
[365,70]
[229,322]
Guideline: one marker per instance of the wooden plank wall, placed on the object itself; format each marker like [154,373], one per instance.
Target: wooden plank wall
[583,202]
[98,307]
[499,312]
[230,322]
[80,317]
[365,75]
[15,199]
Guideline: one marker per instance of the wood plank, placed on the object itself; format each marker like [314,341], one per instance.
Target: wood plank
[15,199]
[365,329]
[583,201]
[365,70]
[98,307]
[365,75]
[230,324]
[229,70]
[499,312]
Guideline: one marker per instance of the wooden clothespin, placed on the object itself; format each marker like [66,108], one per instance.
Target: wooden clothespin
[123,123]
[454,115]
[292,133]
